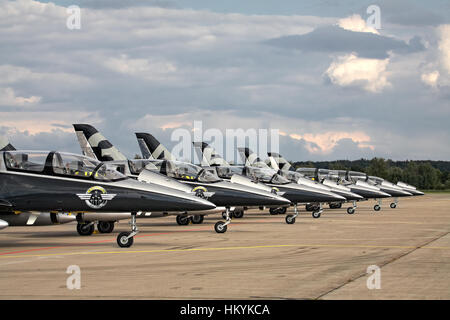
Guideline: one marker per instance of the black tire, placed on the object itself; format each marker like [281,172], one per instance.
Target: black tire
[123,242]
[393,205]
[376,207]
[197,219]
[84,230]
[282,210]
[273,211]
[182,220]
[335,205]
[220,227]
[238,214]
[105,226]
[316,214]
[290,219]
[350,210]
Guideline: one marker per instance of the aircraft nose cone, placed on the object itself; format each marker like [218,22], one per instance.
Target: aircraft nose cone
[3,224]
[396,192]
[199,204]
[381,194]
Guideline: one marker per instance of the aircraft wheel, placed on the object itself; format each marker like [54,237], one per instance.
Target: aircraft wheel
[220,227]
[105,226]
[197,219]
[316,214]
[376,207]
[290,219]
[393,205]
[182,220]
[84,230]
[273,211]
[238,214]
[282,210]
[123,241]
[350,210]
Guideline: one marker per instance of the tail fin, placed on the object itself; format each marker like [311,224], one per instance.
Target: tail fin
[152,147]
[250,158]
[208,155]
[281,162]
[5,145]
[94,144]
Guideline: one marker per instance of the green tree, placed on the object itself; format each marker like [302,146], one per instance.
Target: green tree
[378,167]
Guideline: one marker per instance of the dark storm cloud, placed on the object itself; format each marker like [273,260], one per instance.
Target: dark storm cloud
[335,39]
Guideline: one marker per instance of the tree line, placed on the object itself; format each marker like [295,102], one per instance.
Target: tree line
[425,175]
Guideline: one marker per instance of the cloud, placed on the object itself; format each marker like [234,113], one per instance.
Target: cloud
[333,39]
[356,23]
[139,66]
[150,70]
[324,143]
[9,98]
[430,78]
[350,70]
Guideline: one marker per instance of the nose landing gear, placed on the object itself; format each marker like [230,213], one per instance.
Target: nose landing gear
[290,219]
[125,239]
[220,226]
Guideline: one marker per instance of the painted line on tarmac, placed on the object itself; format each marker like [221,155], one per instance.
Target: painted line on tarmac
[97,241]
[229,248]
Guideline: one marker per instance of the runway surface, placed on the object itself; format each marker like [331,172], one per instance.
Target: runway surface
[259,257]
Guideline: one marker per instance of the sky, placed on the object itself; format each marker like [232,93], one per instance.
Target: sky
[333,85]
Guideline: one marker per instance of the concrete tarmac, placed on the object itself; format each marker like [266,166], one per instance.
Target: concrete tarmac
[259,257]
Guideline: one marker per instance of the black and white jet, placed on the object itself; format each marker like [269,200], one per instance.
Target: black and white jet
[58,182]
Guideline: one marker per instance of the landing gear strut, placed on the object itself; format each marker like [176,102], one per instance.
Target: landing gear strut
[377,207]
[316,213]
[125,239]
[290,219]
[394,204]
[221,227]
[351,210]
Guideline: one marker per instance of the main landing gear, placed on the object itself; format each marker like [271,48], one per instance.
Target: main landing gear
[220,226]
[183,219]
[290,218]
[335,205]
[85,228]
[351,210]
[394,204]
[125,239]
[275,211]
[105,226]
[238,213]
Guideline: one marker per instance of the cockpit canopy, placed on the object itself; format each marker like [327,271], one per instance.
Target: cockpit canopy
[226,172]
[265,175]
[190,172]
[60,164]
